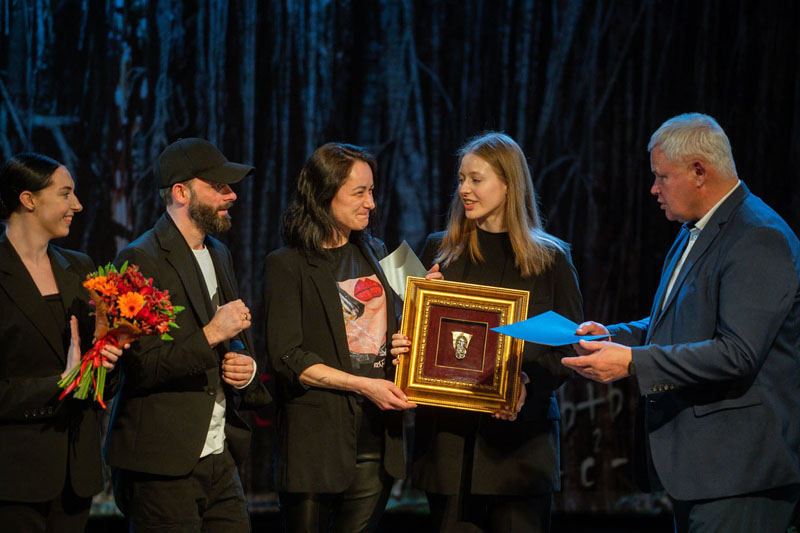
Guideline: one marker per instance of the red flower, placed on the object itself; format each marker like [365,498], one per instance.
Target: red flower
[145,310]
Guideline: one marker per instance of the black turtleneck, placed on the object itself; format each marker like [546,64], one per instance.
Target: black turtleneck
[495,248]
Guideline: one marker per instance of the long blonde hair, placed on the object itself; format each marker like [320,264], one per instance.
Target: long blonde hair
[534,249]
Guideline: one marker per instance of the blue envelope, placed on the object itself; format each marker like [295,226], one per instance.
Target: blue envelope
[549,328]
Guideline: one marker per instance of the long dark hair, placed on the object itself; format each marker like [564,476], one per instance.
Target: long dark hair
[308,222]
[23,172]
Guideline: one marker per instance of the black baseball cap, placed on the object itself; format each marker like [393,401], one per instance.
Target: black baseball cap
[197,158]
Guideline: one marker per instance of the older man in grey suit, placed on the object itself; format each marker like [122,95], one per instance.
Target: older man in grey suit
[718,359]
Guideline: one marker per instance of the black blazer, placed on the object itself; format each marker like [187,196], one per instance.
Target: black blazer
[161,417]
[316,449]
[39,434]
[511,458]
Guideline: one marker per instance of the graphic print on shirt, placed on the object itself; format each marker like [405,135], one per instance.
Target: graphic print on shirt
[364,307]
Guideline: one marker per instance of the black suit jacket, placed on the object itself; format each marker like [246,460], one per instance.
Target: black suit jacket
[316,427]
[511,458]
[39,434]
[161,417]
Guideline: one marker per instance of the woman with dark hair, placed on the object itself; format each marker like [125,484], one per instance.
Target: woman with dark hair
[497,473]
[329,313]
[50,463]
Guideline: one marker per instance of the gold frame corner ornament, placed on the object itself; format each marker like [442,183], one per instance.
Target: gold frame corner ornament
[508,305]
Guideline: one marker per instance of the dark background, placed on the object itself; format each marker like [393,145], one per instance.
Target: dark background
[105,85]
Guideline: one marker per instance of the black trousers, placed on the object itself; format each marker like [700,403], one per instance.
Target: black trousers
[467,512]
[769,510]
[66,513]
[209,499]
[358,508]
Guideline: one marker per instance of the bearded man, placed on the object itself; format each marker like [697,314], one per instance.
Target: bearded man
[175,436]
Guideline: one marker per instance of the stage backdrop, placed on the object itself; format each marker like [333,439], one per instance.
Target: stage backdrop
[104,85]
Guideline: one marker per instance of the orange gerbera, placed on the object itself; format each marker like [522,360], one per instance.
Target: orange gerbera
[130,304]
[102,285]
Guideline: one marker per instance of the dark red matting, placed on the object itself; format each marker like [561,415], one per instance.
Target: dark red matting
[478,366]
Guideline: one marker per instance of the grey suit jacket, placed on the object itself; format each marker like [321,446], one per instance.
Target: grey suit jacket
[719,367]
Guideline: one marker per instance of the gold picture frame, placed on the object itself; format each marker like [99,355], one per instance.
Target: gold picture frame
[456,360]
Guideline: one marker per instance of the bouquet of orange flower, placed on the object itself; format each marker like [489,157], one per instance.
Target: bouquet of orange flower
[127,307]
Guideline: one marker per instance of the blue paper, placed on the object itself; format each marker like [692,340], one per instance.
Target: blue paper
[549,328]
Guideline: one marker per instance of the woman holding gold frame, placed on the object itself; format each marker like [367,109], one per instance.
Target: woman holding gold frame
[497,472]
[330,312]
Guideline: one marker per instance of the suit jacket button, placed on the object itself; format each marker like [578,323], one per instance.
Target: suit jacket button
[210,391]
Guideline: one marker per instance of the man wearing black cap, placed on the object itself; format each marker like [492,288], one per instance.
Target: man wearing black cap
[175,436]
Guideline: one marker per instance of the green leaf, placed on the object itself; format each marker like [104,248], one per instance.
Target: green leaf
[123,268]
[178,308]
[69,378]
[101,381]
[83,388]
[166,337]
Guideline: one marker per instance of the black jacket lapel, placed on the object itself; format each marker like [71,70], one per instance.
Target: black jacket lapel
[224,283]
[18,283]
[180,257]
[227,287]
[322,278]
[69,279]
[392,300]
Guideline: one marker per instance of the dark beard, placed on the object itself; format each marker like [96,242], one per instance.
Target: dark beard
[207,217]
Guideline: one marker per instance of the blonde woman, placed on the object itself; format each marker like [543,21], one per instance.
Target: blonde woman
[497,473]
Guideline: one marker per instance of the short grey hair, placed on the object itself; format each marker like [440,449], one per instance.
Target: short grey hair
[694,135]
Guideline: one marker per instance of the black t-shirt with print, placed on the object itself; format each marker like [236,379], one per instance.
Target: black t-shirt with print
[363,301]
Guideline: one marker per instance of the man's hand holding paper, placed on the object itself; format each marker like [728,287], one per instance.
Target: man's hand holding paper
[601,361]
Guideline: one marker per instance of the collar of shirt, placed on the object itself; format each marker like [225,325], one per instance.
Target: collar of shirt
[700,224]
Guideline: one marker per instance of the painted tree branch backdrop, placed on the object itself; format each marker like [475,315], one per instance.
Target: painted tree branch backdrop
[104,85]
